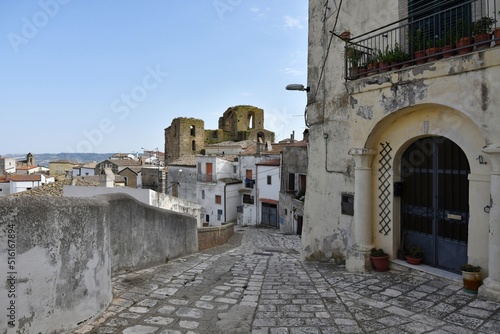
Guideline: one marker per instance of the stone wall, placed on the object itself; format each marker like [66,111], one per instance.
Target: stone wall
[58,254]
[212,236]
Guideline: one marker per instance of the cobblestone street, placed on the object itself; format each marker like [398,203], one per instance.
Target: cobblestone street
[257,284]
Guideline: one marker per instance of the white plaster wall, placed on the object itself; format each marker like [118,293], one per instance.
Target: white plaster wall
[457,98]
[269,191]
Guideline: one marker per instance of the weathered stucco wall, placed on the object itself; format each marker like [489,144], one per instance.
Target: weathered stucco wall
[456,98]
[146,196]
[65,250]
[212,236]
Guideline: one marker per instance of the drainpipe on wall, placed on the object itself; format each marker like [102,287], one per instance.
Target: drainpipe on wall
[225,186]
[256,195]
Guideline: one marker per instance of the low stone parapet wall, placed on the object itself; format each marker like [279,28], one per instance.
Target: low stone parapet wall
[212,236]
[57,255]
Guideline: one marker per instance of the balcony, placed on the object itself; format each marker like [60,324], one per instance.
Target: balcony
[208,178]
[422,38]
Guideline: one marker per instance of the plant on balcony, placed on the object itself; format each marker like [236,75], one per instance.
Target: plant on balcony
[482,30]
[384,59]
[419,44]
[353,57]
[399,57]
[449,41]
[433,48]
[464,35]
[372,62]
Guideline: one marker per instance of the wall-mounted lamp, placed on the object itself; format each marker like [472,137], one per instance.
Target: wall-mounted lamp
[297,87]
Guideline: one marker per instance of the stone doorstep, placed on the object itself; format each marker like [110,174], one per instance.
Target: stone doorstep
[401,265]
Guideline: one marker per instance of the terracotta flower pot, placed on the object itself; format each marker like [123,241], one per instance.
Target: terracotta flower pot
[433,53]
[413,261]
[496,36]
[463,45]
[482,41]
[447,53]
[380,263]
[472,281]
[354,72]
[372,68]
[419,57]
[384,66]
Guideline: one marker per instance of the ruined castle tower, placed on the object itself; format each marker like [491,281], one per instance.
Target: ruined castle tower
[185,136]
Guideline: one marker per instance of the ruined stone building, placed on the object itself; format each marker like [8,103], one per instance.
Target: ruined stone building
[187,136]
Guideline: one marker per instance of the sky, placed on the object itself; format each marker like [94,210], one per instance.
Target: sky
[110,75]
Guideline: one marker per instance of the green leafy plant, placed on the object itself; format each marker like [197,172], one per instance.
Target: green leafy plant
[377,252]
[419,42]
[414,251]
[471,268]
[354,56]
[399,55]
[449,36]
[483,26]
[373,57]
[463,28]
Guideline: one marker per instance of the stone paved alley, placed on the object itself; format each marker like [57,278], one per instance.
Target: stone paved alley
[257,284]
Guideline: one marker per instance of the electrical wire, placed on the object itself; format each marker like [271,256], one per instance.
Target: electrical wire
[313,99]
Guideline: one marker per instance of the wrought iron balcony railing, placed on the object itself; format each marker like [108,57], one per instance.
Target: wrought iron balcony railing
[422,37]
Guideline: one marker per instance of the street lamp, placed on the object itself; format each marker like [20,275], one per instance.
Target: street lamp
[297,87]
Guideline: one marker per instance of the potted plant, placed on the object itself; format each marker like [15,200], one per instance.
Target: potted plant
[449,41]
[380,259]
[384,59]
[482,30]
[419,47]
[353,56]
[345,35]
[414,254]
[399,57]
[464,35]
[432,50]
[471,275]
[372,62]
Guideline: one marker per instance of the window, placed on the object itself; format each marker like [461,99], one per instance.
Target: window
[203,194]
[269,179]
[193,145]
[247,199]
[235,169]
[291,181]
[193,130]
[218,199]
[207,218]
[219,215]
[302,182]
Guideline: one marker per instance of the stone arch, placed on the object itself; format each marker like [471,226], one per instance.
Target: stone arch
[395,133]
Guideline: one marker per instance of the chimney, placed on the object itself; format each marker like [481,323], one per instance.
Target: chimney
[107,178]
[306,135]
[292,137]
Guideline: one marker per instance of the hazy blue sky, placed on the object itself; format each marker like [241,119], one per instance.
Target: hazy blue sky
[110,75]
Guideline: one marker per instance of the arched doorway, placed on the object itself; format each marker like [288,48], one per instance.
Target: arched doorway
[435,201]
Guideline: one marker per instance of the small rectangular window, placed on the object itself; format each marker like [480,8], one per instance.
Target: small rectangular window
[219,215]
[291,181]
[347,204]
[218,199]
[203,194]
[269,179]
